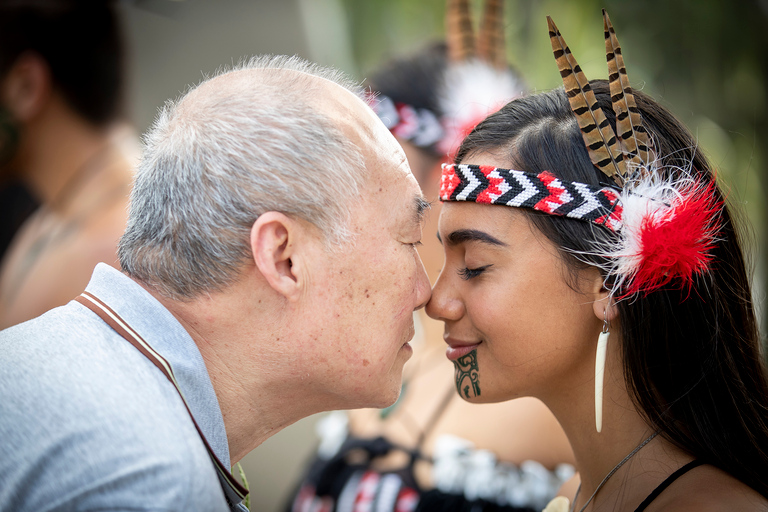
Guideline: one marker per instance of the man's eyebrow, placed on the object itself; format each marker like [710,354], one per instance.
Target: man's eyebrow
[461,236]
[421,206]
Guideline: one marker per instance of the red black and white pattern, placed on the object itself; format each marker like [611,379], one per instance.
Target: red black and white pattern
[420,126]
[544,192]
[365,491]
[670,227]
[666,227]
[469,92]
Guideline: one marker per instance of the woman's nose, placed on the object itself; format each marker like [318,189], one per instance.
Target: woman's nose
[445,303]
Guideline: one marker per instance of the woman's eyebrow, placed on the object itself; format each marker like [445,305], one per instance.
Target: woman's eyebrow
[461,236]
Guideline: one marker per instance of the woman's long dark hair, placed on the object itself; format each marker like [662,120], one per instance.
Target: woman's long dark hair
[692,358]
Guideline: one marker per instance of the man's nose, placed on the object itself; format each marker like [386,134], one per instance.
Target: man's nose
[423,288]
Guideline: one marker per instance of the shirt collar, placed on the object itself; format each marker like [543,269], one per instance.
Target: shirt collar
[153,322]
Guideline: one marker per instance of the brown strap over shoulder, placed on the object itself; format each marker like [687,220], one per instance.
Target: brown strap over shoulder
[233,491]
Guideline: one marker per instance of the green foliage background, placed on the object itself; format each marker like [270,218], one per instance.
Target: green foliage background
[705,60]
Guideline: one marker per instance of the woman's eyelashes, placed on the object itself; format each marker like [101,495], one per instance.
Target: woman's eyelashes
[470,273]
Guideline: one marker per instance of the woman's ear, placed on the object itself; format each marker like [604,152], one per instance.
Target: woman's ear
[274,238]
[603,305]
[605,308]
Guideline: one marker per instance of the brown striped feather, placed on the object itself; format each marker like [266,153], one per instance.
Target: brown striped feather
[459,35]
[633,138]
[598,135]
[490,41]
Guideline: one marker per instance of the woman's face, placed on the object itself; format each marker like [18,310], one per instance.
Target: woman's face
[513,325]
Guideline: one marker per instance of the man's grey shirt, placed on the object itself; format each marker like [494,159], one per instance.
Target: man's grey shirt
[88,423]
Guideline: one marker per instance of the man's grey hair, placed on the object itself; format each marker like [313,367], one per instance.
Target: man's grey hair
[216,159]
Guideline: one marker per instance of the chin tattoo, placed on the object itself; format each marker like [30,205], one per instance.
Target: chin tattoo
[467,375]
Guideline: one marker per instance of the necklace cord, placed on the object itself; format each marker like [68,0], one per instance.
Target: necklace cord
[611,473]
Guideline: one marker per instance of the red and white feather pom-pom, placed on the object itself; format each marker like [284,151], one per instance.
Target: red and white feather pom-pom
[669,228]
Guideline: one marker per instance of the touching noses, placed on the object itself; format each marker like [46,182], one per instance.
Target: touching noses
[444,304]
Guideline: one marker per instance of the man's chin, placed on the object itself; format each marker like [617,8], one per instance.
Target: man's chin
[393,394]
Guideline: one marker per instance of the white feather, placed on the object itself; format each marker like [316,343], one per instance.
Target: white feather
[646,196]
[471,91]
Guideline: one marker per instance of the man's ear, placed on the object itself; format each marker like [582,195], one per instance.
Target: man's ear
[27,86]
[273,245]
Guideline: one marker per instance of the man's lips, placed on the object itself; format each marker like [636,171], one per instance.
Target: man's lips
[457,349]
[411,335]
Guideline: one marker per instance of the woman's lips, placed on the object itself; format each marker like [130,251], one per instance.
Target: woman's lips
[458,349]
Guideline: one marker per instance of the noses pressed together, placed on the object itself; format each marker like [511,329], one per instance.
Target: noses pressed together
[445,303]
[423,287]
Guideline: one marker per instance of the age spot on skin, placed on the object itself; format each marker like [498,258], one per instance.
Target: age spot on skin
[467,375]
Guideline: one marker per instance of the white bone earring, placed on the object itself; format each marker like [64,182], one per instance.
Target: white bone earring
[602,347]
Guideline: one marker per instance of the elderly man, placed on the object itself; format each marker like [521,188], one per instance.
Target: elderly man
[269,273]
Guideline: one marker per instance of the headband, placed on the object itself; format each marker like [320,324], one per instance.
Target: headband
[543,192]
[666,225]
[420,126]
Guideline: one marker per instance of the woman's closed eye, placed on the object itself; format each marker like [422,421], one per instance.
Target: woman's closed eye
[470,273]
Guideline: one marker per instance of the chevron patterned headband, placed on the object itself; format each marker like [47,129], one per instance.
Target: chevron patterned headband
[543,192]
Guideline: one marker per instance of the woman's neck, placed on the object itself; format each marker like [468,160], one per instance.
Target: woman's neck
[623,427]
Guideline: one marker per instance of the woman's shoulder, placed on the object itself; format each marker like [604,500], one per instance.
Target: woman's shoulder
[706,489]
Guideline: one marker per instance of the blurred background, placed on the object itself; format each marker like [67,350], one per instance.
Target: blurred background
[703,59]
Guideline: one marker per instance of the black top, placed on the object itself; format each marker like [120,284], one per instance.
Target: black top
[347,481]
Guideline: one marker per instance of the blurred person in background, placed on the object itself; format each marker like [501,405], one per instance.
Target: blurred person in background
[432,450]
[66,159]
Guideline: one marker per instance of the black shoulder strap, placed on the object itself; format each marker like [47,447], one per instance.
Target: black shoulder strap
[666,483]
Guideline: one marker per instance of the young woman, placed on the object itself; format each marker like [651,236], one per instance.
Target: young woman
[614,289]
